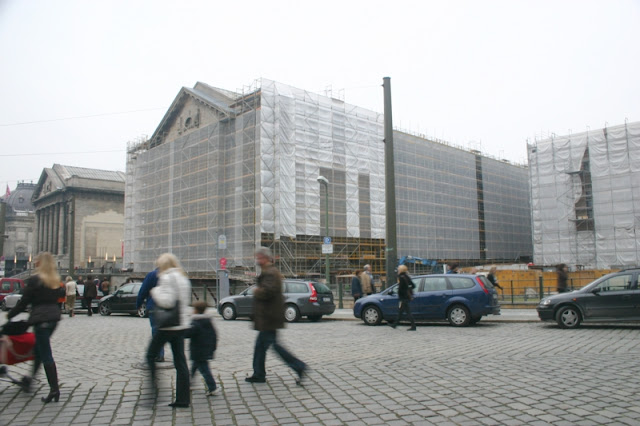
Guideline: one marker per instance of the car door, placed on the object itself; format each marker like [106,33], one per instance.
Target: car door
[388,302]
[244,303]
[129,298]
[612,298]
[430,300]
[119,298]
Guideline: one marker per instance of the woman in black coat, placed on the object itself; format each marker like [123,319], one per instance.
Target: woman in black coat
[356,287]
[42,292]
[405,294]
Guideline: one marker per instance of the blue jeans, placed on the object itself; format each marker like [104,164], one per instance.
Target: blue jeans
[42,349]
[203,368]
[154,329]
[176,340]
[264,340]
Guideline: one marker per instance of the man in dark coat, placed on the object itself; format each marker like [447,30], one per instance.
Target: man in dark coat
[144,296]
[90,293]
[268,317]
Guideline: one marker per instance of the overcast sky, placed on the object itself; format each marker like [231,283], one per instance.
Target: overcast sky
[79,79]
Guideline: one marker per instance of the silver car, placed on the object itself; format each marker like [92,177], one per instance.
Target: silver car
[10,300]
[302,299]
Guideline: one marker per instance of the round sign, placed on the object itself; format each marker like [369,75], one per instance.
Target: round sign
[223,262]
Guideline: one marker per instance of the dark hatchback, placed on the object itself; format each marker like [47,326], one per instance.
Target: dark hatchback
[123,301]
[458,298]
[613,297]
[302,299]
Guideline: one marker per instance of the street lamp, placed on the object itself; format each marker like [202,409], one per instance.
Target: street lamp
[324,181]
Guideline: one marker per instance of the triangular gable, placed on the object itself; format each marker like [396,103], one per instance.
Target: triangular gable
[49,182]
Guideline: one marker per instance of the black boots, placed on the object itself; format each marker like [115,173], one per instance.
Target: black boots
[52,378]
[25,384]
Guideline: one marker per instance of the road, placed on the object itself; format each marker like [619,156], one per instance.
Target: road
[492,373]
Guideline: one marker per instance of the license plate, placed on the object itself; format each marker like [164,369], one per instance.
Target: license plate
[326,299]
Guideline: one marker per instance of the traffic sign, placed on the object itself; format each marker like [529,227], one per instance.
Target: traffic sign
[223,263]
[327,240]
[222,242]
[327,249]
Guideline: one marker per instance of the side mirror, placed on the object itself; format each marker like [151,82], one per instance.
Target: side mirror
[595,291]
[391,293]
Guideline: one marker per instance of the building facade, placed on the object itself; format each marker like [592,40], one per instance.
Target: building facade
[19,223]
[80,216]
[246,166]
[585,197]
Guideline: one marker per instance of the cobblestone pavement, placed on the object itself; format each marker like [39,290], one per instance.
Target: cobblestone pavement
[492,373]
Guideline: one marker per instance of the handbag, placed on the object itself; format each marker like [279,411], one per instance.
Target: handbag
[167,317]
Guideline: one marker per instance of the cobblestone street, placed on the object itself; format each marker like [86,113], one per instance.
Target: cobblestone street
[492,373]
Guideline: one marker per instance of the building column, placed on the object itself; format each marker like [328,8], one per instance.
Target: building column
[58,228]
[45,229]
[36,231]
[50,231]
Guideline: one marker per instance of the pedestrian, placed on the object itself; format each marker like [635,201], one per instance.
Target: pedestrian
[63,299]
[104,286]
[144,296]
[268,317]
[173,290]
[563,276]
[42,292]
[204,342]
[365,283]
[453,268]
[356,287]
[80,280]
[90,293]
[492,277]
[71,289]
[405,295]
[367,270]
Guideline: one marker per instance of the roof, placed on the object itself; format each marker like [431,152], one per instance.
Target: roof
[66,172]
[20,198]
[61,176]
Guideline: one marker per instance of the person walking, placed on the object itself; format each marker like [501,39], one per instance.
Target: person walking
[104,286]
[173,290]
[365,283]
[90,293]
[453,268]
[563,276]
[367,270]
[203,344]
[144,296]
[42,292]
[492,277]
[405,295]
[268,317]
[356,287]
[71,288]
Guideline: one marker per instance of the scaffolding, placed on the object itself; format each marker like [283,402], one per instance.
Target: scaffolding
[585,196]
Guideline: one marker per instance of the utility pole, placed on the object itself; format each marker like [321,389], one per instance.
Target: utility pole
[391,255]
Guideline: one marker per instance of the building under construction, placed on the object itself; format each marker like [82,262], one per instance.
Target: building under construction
[585,192]
[226,172]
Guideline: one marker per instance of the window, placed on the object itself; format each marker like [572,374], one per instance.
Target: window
[321,288]
[459,283]
[297,288]
[616,283]
[434,284]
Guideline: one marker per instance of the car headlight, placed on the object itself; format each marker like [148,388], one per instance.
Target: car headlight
[545,302]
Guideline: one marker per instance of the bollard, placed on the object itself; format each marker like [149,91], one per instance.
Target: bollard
[541,287]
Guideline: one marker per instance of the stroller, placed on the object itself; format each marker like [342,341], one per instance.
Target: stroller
[16,346]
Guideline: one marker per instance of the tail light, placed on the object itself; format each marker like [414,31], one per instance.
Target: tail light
[482,285]
[314,294]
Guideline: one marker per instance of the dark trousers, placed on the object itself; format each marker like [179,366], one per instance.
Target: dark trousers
[154,330]
[88,301]
[42,349]
[264,340]
[404,307]
[176,339]
[203,368]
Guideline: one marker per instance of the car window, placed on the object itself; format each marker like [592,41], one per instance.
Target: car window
[127,289]
[486,281]
[321,288]
[296,288]
[6,286]
[434,284]
[249,291]
[459,283]
[616,283]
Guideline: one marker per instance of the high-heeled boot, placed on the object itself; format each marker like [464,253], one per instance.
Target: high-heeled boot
[52,378]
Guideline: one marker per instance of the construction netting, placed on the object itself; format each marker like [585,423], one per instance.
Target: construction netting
[585,192]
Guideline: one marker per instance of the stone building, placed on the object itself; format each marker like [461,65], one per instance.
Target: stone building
[80,216]
[18,224]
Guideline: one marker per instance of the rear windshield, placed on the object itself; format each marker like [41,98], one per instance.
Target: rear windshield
[321,288]
[459,283]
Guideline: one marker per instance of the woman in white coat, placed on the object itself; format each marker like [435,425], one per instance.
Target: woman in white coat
[173,287]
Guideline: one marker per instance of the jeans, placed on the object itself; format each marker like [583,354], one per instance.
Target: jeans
[42,349]
[264,340]
[404,307]
[203,368]
[176,339]
[154,330]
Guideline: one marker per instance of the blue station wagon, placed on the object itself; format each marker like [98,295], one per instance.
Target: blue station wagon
[459,298]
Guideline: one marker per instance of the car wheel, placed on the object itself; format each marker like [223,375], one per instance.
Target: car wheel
[228,312]
[142,311]
[105,309]
[3,305]
[371,315]
[568,317]
[315,318]
[459,316]
[291,313]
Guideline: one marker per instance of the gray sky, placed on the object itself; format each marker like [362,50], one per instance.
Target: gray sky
[479,74]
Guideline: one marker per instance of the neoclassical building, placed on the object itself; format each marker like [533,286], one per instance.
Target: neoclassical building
[80,215]
[19,224]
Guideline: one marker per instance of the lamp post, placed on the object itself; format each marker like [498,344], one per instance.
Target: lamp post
[325,182]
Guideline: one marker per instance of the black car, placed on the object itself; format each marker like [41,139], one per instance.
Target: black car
[613,297]
[123,301]
[302,298]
